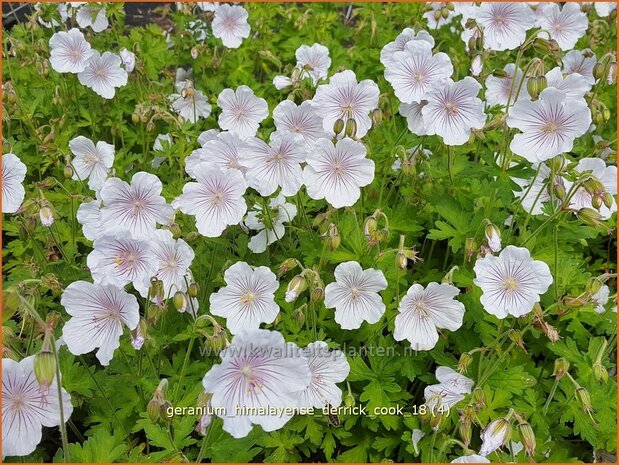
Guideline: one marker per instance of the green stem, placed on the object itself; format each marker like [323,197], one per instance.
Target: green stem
[63,426]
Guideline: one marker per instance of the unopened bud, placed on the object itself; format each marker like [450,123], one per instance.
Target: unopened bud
[351,127]
[370,226]
[562,366]
[180,300]
[299,316]
[600,372]
[217,341]
[296,286]
[470,248]
[193,289]
[401,261]
[175,229]
[445,12]
[46,216]
[557,164]
[493,237]
[584,399]
[286,266]
[437,15]
[45,367]
[152,410]
[377,116]
[598,70]
[479,397]
[166,411]
[317,294]
[349,399]
[465,362]
[608,199]
[527,436]
[383,234]
[559,191]
[68,171]
[589,216]
[338,126]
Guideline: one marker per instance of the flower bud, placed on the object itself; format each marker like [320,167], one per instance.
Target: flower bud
[383,234]
[593,286]
[470,248]
[68,171]
[45,367]
[351,127]
[296,286]
[299,316]
[333,238]
[532,87]
[46,216]
[166,411]
[437,15]
[493,237]
[473,43]
[600,372]
[152,410]
[558,164]
[559,191]
[611,78]
[607,198]
[598,70]
[589,216]
[317,294]
[527,436]
[175,229]
[593,186]
[596,201]
[516,337]
[562,366]
[180,300]
[193,289]
[338,126]
[370,226]
[479,397]
[217,341]
[286,266]
[495,435]
[465,427]
[401,262]
[584,399]
[445,12]
[465,362]
[349,399]
[377,116]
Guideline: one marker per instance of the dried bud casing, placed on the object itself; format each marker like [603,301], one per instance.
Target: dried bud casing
[465,362]
[527,436]
[562,366]
[584,399]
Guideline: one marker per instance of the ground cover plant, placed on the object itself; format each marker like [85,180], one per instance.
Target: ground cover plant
[310,232]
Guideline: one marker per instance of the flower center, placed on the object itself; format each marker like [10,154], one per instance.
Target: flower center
[18,401]
[247,298]
[355,292]
[550,127]
[218,198]
[510,285]
[113,312]
[451,108]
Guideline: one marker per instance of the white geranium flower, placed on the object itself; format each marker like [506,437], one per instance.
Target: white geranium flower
[473,458]
[300,119]
[192,105]
[453,109]
[564,24]
[46,216]
[91,162]
[499,89]
[258,370]
[247,299]
[603,9]
[13,175]
[230,25]
[549,125]
[573,85]
[282,82]
[600,298]
[423,311]
[314,62]
[93,15]
[344,98]
[327,368]
[416,436]
[103,74]
[414,118]
[450,390]
[282,212]
[137,207]
[27,407]
[162,142]
[273,165]
[505,24]
[242,111]
[495,435]
[399,44]
[89,216]
[174,257]
[98,313]
[337,172]
[223,151]
[69,51]
[119,259]
[58,16]
[412,71]
[216,200]
[533,200]
[477,66]
[512,283]
[607,175]
[209,134]
[581,62]
[128,58]
[354,295]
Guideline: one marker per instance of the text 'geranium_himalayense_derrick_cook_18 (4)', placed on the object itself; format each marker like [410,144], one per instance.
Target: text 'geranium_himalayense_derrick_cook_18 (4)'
[309,232]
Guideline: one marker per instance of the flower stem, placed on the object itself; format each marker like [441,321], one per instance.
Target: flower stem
[63,426]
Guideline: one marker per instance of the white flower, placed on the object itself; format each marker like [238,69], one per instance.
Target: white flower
[209,134]
[512,282]
[247,299]
[466,9]
[337,172]
[450,390]
[534,192]
[119,259]
[603,9]
[282,82]
[573,85]
[56,17]
[414,118]
[216,200]
[230,25]
[137,207]
[258,370]
[89,216]
[399,44]
[327,368]
[174,257]
[453,109]
[98,313]
[162,142]
[581,62]
[477,66]
[69,51]
[416,436]
[499,90]
[91,162]
[607,175]
[128,58]
[473,458]
[301,119]
[242,111]
[423,311]
[274,165]
[495,435]
[103,74]
[281,211]
[493,237]
[564,24]
[27,407]
[93,15]
[313,61]
[505,24]
[46,216]
[223,151]
[600,298]
[344,98]
[13,175]
[412,71]
[354,294]
[549,125]
[191,106]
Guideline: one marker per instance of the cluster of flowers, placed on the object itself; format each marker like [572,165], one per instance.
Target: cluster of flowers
[316,144]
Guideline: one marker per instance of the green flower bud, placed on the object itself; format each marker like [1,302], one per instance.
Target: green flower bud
[45,367]
[532,87]
[377,116]
[558,164]
[193,289]
[286,266]
[445,12]
[153,409]
[370,226]
[589,216]
[351,127]
[317,294]
[584,399]
[180,301]
[596,202]
[562,366]
[166,411]
[68,171]
[607,198]
[479,397]
[600,372]
[559,191]
[175,229]
[598,70]
[437,15]
[296,286]
[401,261]
[527,436]
[299,316]
[465,362]
[349,399]
[338,126]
